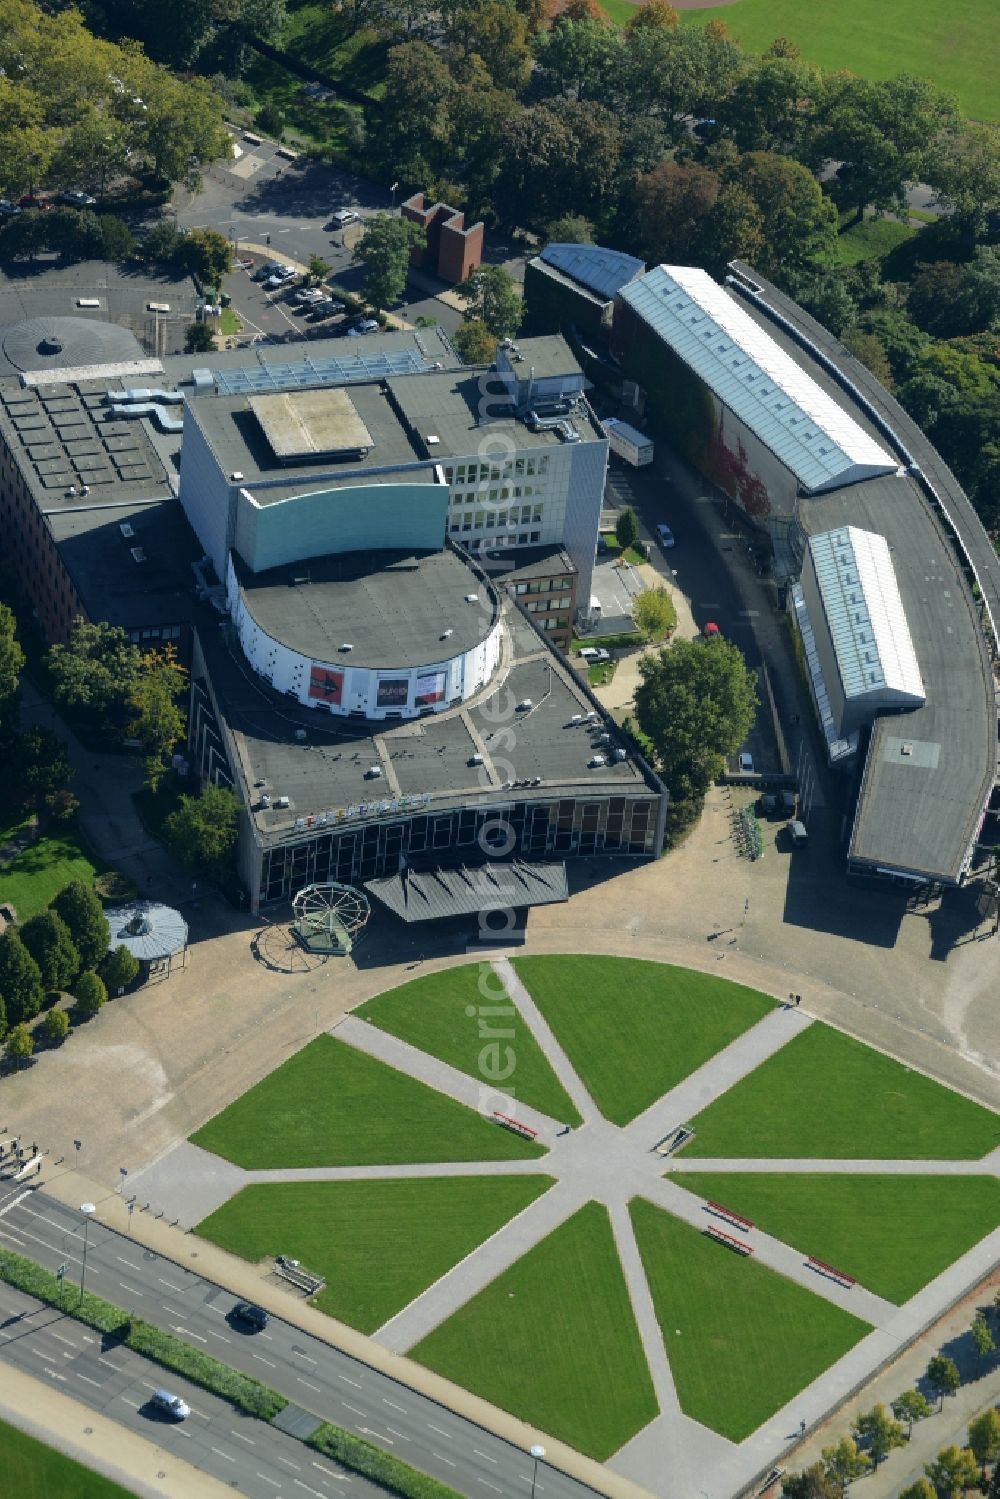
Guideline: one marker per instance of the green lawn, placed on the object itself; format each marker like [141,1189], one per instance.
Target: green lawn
[825,1094]
[434,1014]
[330,1105]
[957,46]
[892,1233]
[554,1341]
[742,1340]
[323,38]
[379,1243]
[31,880]
[612,546]
[872,239]
[634,1029]
[30,1470]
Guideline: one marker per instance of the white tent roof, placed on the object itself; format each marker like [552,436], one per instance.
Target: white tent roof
[750,373]
[864,612]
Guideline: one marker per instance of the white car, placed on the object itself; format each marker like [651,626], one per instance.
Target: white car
[309,294]
[171,1405]
[592,653]
[286,273]
[746,762]
[345,216]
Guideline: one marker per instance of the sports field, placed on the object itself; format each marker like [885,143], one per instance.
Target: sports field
[825,1094]
[330,1105]
[956,46]
[742,1340]
[554,1340]
[464,1017]
[892,1233]
[379,1243]
[634,1029]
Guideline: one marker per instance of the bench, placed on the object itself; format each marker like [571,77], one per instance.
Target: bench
[509,1122]
[831,1271]
[727,1239]
[735,1219]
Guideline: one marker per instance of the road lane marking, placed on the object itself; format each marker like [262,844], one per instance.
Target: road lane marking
[227,1455]
[349,1381]
[133,1403]
[13,1204]
[444,1459]
[354,1408]
[130,1263]
[445,1434]
[484,1455]
[61,1339]
[190,1334]
[328,1471]
[46,1356]
[308,1489]
[54,1375]
[87,1380]
[130,1289]
[487,1485]
[272,1481]
[239,1435]
[386,1401]
[401,1434]
[288,1462]
[220,1335]
[169,1285]
[308,1384]
[298,1352]
[266,1360]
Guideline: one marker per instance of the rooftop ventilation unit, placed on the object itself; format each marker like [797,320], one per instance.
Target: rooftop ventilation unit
[126,530]
[347,646]
[138,555]
[432,440]
[596,761]
[524,705]
[282,801]
[236,477]
[446,634]
[475,759]
[373,773]
[907,749]
[472,598]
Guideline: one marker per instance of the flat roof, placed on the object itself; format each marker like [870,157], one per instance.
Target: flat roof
[305,424]
[418,894]
[392,607]
[546,355]
[459,409]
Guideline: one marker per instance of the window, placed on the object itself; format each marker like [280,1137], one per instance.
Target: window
[536,535]
[460,473]
[519,466]
[502,518]
[529,466]
[543,465]
[456,524]
[449,475]
[480,519]
[536,513]
[467,521]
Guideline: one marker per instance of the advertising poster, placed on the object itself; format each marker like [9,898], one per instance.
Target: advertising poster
[430,689]
[326,684]
[392,692]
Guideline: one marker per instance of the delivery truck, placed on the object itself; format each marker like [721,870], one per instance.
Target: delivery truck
[634,447]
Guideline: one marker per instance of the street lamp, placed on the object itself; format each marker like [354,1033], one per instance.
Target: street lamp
[537,1452]
[88,1210]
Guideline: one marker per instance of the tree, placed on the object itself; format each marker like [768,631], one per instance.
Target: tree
[655,13]
[654,613]
[157,721]
[769,106]
[878,1433]
[493,299]
[56,1026]
[20,979]
[90,994]
[984,1437]
[474,342]
[199,338]
[813,1483]
[696,706]
[982,1339]
[119,969]
[844,1462]
[911,1406]
[964,170]
[207,254]
[869,350]
[952,1472]
[38,762]
[201,832]
[798,223]
[11,659]
[94,673]
[571,229]
[319,268]
[943,1376]
[922,1489]
[80,907]
[162,244]
[414,128]
[497,33]
[627,528]
[48,940]
[19,1045]
[384,250]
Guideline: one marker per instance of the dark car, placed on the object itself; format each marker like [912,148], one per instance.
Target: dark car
[253,1316]
[77,200]
[30,201]
[8,209]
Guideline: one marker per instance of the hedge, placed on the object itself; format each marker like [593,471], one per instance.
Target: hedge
[361,1457]
[245,1392]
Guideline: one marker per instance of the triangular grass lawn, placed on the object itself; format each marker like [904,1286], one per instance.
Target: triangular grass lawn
[330,1105]
[825,1094]
[554,1341]
[892,1233]
[633,1029]
[741,1339]
[464,1017]
[378,1243]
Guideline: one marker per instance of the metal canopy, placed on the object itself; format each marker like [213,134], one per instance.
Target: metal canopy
[151,932]
[432,894]
[347,371]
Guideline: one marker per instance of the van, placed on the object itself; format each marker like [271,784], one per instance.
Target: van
[798,834]
[171,1405]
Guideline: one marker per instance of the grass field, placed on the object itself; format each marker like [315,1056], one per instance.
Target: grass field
[742,1340]
[379,1243]
[30,1470]
[554,1341]
[31,879]
[633,1029]
[892,1233]
[433,1013]
[330,1105]
[872,239]
[825,1094]
[957,46]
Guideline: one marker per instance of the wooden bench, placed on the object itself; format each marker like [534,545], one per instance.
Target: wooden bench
[728,1240]
[735,1219]
[822,1268]
[509,1122]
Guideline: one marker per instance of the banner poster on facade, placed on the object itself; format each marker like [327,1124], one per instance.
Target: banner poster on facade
[326,684]
[430,689]
[392,692]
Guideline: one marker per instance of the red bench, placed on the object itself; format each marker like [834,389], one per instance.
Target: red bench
[509,1122]
[728,1240]
[831,1270]
[736,1219]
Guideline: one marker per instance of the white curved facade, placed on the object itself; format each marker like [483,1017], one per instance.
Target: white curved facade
[343,687]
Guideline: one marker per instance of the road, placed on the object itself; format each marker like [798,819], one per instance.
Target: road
[315,1377]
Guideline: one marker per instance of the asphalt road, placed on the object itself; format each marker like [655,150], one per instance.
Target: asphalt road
[319,1379]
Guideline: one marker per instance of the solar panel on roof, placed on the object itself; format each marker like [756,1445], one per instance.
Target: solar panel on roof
[311,372]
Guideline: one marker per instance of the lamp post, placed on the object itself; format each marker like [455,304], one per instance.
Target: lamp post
[537,1452]
[88,1210]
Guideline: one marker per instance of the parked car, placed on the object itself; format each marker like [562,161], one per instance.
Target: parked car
[308,295]
[77,200]
[365,325]
[345,216]
[746,762]
[269,268]
[798,834]
[8,209]
[593,653]
[665,536]
[171,1405]
[30,201]
[282,274]
[711,628]
[254,1316]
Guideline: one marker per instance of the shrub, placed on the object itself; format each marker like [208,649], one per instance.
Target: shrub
[90,993]
[80,907]
[119,970]
[48,939]
[361,1457]
[56,1026]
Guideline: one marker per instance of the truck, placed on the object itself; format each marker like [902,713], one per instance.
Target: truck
[634,447]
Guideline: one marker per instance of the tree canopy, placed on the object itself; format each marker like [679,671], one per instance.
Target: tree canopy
[202,830]
[48,940]
[493,299]
[384,251]
[20,978]
[696,703]
[80,907]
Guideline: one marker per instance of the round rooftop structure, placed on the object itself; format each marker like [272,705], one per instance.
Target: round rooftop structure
[66,343]
[153,933]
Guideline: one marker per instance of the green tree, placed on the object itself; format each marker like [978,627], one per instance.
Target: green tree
[696,706]
[39,764]
[48,940]
[20,979]
[384,250]
[671,205]
[414,132]
[497,33]
[493,299]
[474,342]
[117,239]
[201,831]
[654,614]
[19,1045]
[869,351]
[90,993]
[982,1339]
[80,907]
[119,969]
[162,243]
[911,1406]
[770,104]
[573,228]
[271,119]
[984,1437]
[11,659]
[157,721]
[208,255]
[952,1472]
[844,1462]
[812,1483]
[583,56]
[943,1377]
[877,1433]
[94,673]
[56,1026]
[963,167]
[319,268]
[799,224]
[199,338]
[922,1489]
[627,528]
